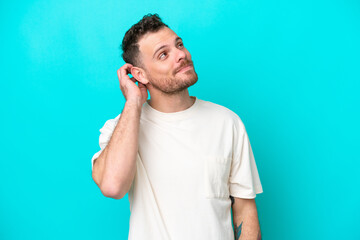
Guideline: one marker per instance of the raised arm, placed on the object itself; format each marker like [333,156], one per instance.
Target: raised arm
[114,169]
[245,219]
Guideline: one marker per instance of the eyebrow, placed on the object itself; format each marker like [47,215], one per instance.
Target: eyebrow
[163,46]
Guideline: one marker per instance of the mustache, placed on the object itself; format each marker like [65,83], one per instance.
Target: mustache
[183,64]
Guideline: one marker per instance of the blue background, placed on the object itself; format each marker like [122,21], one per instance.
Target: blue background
[289,69]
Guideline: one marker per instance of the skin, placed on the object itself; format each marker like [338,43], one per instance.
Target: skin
[114,169]
[238,231]
[245,218]
[160,74]
[168,91]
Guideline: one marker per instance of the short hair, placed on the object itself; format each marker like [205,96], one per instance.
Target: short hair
[130,46]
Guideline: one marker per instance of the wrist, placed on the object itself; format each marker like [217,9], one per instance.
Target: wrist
[134,103]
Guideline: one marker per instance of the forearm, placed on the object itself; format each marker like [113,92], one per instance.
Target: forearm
[117,166]
[246,222]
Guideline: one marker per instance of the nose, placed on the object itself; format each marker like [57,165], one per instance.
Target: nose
[180,55]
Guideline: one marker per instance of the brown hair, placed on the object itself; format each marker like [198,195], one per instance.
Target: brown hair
[130,46]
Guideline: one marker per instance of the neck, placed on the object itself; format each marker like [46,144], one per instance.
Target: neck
[171,103]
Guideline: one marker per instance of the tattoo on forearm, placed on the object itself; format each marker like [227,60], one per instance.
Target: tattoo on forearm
[238,231]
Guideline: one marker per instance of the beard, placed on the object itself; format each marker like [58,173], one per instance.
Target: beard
[176,84]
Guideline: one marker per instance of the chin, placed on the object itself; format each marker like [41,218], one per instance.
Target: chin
[177,83]
[190,81]
[189,75]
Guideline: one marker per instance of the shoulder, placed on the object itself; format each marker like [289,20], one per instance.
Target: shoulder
[224,113]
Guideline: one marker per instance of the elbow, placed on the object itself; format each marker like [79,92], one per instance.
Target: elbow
[108,188]
[112,191]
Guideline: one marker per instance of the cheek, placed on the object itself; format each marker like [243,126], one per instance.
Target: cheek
[188,54]
[166,68]
[161,70]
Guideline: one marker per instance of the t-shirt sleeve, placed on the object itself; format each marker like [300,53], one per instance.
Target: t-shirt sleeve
[244,177]
[104,138]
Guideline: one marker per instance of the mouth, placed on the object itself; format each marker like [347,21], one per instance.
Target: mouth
[185,68]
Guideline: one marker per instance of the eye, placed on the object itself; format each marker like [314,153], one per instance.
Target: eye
[162,55]
[180,44]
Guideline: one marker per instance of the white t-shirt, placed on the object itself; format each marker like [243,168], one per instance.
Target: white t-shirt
[188,164]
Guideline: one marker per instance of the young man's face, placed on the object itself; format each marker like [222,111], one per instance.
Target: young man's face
[163,56]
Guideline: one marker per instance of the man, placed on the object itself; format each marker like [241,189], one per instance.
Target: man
[183,161]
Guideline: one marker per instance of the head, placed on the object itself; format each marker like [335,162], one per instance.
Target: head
[158,56]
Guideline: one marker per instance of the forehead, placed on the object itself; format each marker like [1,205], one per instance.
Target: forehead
[153,40]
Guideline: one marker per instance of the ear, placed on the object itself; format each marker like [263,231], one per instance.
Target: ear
[139,74]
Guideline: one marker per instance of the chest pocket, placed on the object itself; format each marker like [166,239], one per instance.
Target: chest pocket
[216,176]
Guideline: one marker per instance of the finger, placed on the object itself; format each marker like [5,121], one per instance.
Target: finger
[128,68]
[125,69]
[128,65]
[141,85]
[119,76]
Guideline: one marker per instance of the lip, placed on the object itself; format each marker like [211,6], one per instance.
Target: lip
[185,68]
